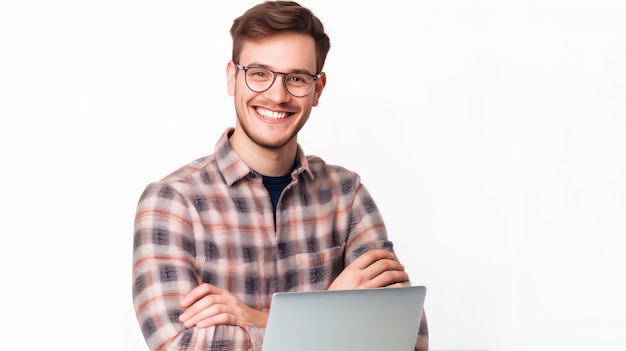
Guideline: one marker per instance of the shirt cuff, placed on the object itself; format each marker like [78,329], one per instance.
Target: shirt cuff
[256,335]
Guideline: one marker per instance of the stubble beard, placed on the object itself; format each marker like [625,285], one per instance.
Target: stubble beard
[271,145]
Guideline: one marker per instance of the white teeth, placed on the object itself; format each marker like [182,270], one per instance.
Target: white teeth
[270,114]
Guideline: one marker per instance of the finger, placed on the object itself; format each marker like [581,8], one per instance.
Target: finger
[199,292]
[204,307]
[399,284]
[381,266]
[222,318]
[389,278]
[372,256]
[209,316]
[384,272]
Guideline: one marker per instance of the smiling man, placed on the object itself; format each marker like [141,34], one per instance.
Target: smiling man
[272,107]
[215,239]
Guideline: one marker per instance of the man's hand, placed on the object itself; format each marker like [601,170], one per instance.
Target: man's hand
[207,305]
[373,269]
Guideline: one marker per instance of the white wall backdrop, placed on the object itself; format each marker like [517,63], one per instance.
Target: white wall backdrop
[491,133]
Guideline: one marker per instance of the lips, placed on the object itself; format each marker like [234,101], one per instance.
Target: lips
[271,114]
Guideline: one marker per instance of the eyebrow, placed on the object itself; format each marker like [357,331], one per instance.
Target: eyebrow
[298,71]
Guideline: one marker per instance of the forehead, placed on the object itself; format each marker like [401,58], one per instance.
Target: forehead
[284,52]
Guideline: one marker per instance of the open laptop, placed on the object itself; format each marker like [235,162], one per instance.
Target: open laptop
[345,320]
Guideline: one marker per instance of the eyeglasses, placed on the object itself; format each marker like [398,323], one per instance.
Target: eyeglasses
[260,79]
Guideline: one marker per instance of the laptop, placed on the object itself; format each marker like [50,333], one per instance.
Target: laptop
[345,320]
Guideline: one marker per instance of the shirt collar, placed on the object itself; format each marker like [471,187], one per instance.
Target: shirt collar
[233,168]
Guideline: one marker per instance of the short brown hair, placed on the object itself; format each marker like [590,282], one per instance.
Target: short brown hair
[273,17]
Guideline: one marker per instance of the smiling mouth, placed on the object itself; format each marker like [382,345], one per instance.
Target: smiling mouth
[271,114]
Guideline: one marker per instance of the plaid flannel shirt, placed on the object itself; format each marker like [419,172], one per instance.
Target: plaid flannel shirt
[212,221]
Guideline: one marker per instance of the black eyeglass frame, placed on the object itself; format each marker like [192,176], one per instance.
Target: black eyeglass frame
[245,77]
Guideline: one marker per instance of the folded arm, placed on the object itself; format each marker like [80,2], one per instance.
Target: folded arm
[168,289]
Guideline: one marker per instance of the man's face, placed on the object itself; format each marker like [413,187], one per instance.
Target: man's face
[272,119]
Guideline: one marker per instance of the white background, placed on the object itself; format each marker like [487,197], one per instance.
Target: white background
[492,135]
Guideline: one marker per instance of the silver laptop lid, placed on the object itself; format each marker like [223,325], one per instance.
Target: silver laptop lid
[346,320]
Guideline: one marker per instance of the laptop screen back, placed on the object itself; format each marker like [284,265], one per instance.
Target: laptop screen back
[346,320]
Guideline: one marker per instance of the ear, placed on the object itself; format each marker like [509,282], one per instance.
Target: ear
[320,83]
[231,77]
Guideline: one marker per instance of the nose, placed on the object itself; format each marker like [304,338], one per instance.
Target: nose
[278,92]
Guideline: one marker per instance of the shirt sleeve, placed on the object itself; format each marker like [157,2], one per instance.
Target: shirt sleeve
[163,272]
[367,230]
[422,335]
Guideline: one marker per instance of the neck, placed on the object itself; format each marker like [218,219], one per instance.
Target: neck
[271,162]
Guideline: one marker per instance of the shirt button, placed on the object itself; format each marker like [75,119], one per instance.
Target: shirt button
[252,174]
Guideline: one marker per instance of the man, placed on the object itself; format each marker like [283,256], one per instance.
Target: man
[216,238]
